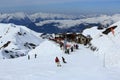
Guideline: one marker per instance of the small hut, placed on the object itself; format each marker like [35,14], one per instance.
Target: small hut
[82,39]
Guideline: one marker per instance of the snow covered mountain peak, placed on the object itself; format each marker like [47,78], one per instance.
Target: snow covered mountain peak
[17,15]
[16,40]
[107,43]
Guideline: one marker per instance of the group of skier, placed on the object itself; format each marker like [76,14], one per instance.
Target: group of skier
[71,48]
[57,61]
[67,49]
[35,56]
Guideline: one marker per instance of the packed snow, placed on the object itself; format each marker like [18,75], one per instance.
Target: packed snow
[81,64]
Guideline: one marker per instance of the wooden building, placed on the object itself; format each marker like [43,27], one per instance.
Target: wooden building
[83,39]
[73,37]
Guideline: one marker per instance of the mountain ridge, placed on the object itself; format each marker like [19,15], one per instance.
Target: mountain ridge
[16,40]
[40,22]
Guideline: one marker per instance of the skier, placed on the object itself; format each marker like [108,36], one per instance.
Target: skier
[63,59]
[61,45]
[67,51]
[71,49]
[77,46]
[28,57]
[74,46]
[35,55]
[57,61]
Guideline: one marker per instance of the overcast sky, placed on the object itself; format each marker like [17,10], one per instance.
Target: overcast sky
[61,6]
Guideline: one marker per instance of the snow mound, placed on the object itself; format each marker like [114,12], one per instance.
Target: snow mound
[47,48]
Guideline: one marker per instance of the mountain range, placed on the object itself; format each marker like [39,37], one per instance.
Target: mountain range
[56,23]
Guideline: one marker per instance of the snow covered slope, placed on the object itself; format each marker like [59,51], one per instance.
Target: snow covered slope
[16,40]
[107,44]
[81,64]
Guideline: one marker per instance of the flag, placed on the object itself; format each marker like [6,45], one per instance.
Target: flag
[112,30]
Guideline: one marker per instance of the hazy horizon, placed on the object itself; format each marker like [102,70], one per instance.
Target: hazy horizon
[72,7]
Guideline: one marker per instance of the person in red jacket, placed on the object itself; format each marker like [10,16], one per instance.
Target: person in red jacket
[57,61]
